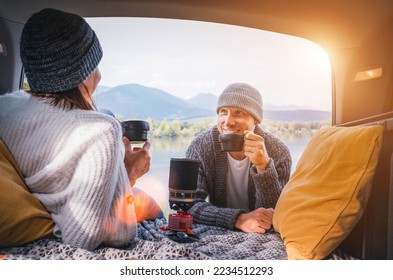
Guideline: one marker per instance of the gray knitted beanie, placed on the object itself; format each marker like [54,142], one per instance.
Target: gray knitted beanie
[242,96]
[59,51]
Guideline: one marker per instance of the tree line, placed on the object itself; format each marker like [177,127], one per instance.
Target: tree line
[174,128]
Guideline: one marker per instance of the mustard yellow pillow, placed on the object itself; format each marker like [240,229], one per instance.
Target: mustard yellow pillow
[328,192]
[22,218]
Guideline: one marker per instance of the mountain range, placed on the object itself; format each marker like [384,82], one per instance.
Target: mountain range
[135,101]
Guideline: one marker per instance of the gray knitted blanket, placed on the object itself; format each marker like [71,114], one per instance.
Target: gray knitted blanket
[152,243]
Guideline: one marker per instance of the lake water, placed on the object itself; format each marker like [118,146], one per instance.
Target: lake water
[155,182]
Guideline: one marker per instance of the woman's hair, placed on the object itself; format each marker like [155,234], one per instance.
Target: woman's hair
[69,99]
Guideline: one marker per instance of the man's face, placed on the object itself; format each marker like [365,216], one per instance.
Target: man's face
[234,120]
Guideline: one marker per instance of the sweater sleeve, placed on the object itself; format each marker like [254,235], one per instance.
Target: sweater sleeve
[100,207]
[202,183]
[91,202]
[269,184]
[208,214]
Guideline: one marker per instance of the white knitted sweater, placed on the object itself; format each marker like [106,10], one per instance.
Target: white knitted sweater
[72,162]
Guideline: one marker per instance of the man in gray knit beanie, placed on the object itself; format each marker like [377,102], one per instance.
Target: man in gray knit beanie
[239,189]
[243,96]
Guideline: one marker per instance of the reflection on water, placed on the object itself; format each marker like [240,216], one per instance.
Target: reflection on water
[296,145]
[155,182]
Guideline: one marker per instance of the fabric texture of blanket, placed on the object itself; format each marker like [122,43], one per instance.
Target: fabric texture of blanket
[153,243]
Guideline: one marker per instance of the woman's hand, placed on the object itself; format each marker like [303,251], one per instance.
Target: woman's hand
[137,162]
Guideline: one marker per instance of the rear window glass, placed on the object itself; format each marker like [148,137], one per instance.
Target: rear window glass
[171,72]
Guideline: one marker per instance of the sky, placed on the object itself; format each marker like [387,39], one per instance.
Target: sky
[185,58]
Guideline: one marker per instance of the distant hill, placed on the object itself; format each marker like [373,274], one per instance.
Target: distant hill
[204,100]
[101,89]
[135,101]
[297,115]
[271,107]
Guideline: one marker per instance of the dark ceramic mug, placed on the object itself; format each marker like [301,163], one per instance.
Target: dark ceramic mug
[135,130]
[231,142]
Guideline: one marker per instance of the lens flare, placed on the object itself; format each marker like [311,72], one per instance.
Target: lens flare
[124,209]
[146,208]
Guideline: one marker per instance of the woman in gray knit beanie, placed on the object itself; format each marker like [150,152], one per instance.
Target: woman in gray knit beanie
[242,187]
[72,156]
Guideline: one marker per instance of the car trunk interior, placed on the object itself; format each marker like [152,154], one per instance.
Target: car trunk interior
[358,39]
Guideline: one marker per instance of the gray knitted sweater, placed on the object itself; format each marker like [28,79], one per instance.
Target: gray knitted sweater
[72,162]
[263,188]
